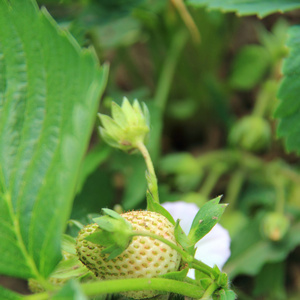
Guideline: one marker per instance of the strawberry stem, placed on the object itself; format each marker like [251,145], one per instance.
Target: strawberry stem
[96,288]
[151,178]
[210,290]
[137,284]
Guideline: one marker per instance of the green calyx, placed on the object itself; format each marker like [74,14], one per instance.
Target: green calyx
[128,126]
[114,233]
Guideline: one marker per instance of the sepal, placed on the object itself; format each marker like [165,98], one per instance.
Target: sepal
[114,233]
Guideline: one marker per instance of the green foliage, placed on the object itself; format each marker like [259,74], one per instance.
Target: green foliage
[207,217]
[48,97]
[8,294]
[252,7]
[250,250]
[212,132]
[271,281]
[249,67]
[288,111]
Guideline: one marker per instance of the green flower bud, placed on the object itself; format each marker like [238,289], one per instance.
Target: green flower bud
[275,225]
[251,133]
[128,126]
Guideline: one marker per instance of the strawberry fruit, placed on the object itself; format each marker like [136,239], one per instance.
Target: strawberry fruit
[145,257]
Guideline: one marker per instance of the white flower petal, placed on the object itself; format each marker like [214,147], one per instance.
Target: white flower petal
[213,248]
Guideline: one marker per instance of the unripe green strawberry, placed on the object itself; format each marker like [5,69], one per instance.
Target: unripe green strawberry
[144,257]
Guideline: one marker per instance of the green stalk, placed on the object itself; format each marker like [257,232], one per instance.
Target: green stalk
[233,188]
[168,69]
[152,179]
[211,180]
[137,284]
[96,288]
[280,194]
[209,292]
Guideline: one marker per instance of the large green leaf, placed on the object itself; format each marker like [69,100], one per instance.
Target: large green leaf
[261,8]
[288,111]
[49,94]
[8,294]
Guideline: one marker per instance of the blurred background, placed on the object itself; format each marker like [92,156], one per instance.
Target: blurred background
[210,80]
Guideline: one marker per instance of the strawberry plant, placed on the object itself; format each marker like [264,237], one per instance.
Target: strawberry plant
[119,206]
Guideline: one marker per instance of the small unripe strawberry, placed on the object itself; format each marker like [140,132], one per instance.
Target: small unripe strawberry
[144,257]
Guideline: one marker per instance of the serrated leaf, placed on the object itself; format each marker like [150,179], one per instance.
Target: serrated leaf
[49,95]
[288,111]
[206,218]
[261,8]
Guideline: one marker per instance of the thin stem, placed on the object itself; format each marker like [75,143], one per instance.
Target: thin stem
[143,149]
[168,69]
[280,195]
[152,179]
[234,188]
[210,290]
[211,180]
[92,289]
[188,20]
[261,104]
[137,284]
[200,266]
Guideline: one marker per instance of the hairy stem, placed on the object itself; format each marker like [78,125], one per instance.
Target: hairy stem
[152,180]
[133,284]
[210,290]
[136,284]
